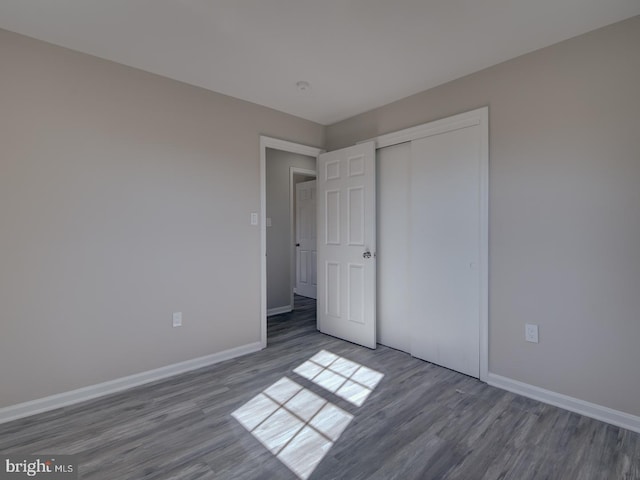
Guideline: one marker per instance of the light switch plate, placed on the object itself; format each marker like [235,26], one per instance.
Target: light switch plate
[531,333]
[254,218]
[177,319]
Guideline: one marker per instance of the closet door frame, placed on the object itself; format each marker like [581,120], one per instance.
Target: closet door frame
[478,117]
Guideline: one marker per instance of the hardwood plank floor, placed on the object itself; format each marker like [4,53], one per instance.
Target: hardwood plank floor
[421,422]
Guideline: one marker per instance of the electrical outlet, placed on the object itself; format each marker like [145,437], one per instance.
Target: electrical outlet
[531,333]
[177,319]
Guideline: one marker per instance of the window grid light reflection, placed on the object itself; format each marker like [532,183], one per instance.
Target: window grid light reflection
[297,425]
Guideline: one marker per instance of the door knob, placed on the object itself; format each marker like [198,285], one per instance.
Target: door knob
[297,244]
[366,254]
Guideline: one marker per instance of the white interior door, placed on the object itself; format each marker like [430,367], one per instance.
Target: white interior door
[306,264]
[347,244]
[445,249]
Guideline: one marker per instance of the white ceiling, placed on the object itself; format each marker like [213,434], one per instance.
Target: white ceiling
[356,54]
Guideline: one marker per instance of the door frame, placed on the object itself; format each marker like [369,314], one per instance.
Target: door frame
[284,145]
[292,215]
[475,117]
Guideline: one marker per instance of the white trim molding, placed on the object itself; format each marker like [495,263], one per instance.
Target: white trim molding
[277,144]
[40,405]
[588,409]
[279,310]
[449,124]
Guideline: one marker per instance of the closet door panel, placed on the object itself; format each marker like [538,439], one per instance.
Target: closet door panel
[444,251]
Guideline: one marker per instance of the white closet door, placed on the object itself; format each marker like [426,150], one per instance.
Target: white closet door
[392,195]
[445,249]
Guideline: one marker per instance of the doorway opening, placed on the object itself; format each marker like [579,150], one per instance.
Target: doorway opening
[302,203]
[283,165]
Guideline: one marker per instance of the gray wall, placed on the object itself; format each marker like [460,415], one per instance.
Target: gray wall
[564,237]
[279,248]
[124,197]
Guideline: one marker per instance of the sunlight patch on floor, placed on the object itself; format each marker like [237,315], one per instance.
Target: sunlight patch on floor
[297,425]
[345,378]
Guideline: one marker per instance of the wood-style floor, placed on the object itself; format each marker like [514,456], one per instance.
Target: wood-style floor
[421,422]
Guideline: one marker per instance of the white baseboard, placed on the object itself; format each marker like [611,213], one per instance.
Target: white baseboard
[279,310]
[599,412]
[20,410]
